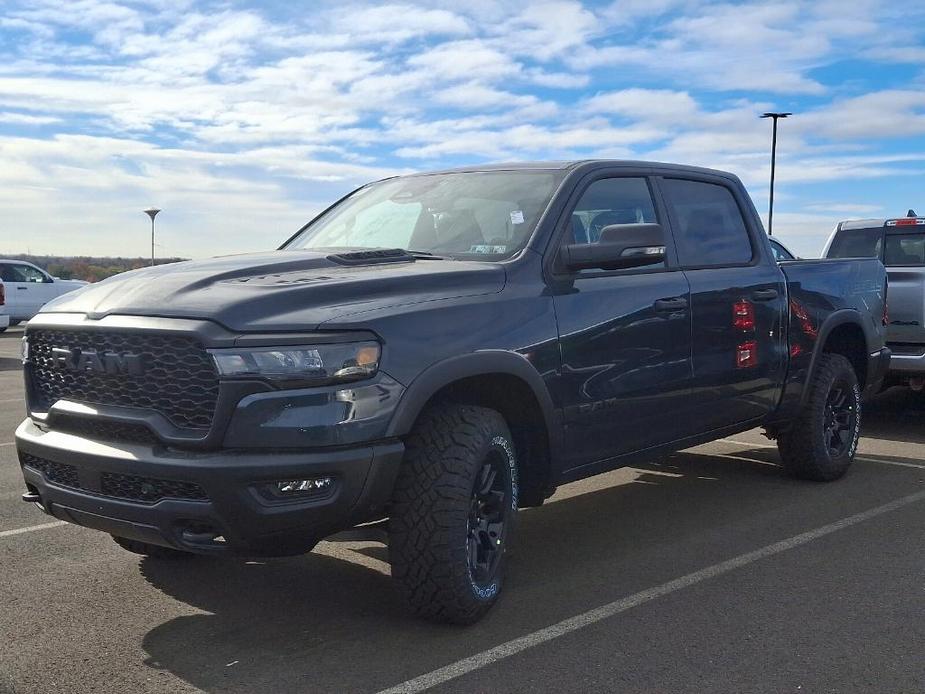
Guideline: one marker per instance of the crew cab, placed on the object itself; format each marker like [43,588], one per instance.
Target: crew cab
[28,288]
[899,243]
[440,350]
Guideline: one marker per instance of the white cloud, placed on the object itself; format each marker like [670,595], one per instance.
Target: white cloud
[193,102]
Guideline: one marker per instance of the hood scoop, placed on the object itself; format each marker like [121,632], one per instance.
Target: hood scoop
[372,257]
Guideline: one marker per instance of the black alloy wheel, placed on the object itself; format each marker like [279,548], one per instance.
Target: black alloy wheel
[487,508]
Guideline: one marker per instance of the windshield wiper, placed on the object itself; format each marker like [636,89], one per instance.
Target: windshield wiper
[423,255]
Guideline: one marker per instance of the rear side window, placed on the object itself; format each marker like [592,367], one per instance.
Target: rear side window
[904,249]
[710,228]
[857,243]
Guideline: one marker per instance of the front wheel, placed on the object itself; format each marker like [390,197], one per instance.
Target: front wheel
[821,443]
[452,513]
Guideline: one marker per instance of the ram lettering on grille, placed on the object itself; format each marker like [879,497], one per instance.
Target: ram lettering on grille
[169,374]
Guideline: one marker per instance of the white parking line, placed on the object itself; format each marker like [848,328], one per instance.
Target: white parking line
[897,463]
[750,443]
[20,531]
[22,400]
[8,443]
[863,458]
[506,650]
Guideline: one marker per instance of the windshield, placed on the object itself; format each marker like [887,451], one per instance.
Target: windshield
[485,214]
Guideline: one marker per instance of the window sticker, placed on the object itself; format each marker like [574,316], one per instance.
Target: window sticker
[517,217]
[486,248]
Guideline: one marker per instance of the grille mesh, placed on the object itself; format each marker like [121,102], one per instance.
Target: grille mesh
[62,474]
[178,379]
[148,489]
[129,487]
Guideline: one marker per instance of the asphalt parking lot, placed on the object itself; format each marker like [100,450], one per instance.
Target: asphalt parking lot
[709,571]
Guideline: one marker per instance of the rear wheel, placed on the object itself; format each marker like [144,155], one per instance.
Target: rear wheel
[821,443]
[150,550]
[452,514]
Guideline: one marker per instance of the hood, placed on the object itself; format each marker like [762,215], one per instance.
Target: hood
[277,290]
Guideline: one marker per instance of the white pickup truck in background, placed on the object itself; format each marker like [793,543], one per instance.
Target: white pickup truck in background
[27,288]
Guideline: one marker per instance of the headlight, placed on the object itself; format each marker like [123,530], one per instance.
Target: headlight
[308,365]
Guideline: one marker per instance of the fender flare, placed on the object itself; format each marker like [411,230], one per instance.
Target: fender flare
[481,363]
[841,317]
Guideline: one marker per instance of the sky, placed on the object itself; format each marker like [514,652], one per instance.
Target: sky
[241,120]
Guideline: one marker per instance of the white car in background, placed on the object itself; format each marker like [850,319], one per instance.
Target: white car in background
[27,288]
[4,316]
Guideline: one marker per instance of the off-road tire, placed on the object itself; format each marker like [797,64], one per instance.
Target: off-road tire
[431,535]
[149,550]
[804,449]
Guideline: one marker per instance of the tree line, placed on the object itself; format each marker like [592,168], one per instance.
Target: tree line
[88,268]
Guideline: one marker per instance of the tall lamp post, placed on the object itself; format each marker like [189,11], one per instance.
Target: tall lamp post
[775,117]
[152,213]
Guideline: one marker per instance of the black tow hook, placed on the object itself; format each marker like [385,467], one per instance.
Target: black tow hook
[32,498]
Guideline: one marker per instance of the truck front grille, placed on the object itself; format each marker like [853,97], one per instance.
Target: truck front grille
[173,374]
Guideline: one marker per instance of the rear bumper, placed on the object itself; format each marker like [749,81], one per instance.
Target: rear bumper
[235,500]
[908,362]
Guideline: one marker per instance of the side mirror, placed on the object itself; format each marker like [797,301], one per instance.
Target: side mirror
[620,246]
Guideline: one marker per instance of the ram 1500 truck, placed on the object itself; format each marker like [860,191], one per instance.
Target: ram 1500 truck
[440,350]
[900,244]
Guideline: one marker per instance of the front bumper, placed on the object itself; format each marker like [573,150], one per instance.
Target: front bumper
[235,516]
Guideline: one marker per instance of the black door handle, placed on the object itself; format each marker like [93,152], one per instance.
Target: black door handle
[678,303]
[22,289]
[764,294]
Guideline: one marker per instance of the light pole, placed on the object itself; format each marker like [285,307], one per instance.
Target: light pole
[775,116]
[152,213]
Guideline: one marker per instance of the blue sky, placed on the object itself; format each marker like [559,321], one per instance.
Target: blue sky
[241,119]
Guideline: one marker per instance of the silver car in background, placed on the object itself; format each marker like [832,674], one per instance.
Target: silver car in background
[900,245]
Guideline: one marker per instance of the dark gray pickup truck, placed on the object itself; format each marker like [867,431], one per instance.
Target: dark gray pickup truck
[440,350]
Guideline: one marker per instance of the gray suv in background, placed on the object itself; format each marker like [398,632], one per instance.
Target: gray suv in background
[900,245]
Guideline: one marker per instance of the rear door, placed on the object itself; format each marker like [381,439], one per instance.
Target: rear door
[738,301]
[624,335]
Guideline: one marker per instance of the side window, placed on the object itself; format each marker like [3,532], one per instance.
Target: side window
[29,274]
[607,202]
[780,253]
[711,230]
[13,273]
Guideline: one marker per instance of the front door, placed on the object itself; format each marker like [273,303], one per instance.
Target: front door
[738,297]
[624,335]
